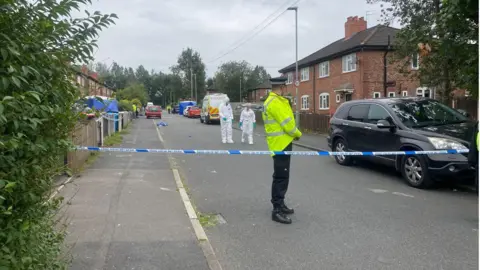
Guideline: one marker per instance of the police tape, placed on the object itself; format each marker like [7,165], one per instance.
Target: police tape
[280,153]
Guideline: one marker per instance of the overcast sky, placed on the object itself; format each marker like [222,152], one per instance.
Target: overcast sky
[153,32]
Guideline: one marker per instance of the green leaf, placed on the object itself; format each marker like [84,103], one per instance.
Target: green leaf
[2,183]
[4,54]
[7,98]
[10,185]
[16,81]
[1,108]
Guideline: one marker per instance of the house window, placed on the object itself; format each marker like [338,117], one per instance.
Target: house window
[324,69]
[391,94]
[305,102]
[349,63]
[415,61]
[338,98]
[305,74]
[377,94]
[289,78]
[324,101]
[404,93]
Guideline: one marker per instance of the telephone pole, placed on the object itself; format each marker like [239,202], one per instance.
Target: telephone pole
[240,89]
[195,79]
[191,82]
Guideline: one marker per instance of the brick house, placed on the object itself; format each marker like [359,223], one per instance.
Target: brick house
[259,92]
[351,68]
[90,85]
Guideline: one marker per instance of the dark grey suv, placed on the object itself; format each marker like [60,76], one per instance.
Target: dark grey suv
[400,124]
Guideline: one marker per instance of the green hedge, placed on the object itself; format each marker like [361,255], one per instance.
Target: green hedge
[37,92]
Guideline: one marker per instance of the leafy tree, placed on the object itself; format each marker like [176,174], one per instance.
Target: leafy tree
[229,75]
[134,91]
[38,41]
[449,31]
[189,62]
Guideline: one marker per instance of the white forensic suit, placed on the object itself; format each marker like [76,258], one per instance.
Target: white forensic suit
[247,119]
[226,119]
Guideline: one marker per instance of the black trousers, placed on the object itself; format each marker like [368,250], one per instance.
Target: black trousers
[281,177]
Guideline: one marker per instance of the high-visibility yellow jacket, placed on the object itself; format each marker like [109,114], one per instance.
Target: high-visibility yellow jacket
[279,122]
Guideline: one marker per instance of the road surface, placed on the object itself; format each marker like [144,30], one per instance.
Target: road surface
[362,217]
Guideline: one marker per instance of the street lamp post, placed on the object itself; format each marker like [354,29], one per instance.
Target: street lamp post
[297,110]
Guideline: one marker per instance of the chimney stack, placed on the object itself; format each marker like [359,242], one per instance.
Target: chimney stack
[354,25]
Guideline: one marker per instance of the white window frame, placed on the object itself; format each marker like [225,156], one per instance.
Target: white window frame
[321,99]
[404,93]
[324,69]
[289,78]
[305,74]
[418,61]
[377,93]
[390,94]
[303,107]
[349,63]
[338,98]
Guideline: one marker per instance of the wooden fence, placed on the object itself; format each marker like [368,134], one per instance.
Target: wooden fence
[468,105]
[85,133]
[92,133]
[315,123]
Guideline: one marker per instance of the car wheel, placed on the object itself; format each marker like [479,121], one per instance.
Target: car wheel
[341,146]
[415,172]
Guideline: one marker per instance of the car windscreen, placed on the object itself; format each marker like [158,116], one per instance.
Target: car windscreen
[422,113]
[153,109]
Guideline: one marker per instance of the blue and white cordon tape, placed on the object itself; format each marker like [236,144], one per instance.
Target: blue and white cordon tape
[291,153]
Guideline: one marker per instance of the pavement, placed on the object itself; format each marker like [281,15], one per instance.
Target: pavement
[359,217]
[124,212]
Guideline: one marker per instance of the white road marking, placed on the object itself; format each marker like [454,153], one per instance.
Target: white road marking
[374,190]
[213,171]
[158,132]
[165,189]
[123,155]
[403,194]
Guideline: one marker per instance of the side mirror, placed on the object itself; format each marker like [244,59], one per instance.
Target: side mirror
[384,124]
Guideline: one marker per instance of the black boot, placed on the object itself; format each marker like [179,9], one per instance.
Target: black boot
[286,210]
[280,217]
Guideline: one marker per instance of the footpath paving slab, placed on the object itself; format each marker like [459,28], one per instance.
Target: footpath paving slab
[125,212]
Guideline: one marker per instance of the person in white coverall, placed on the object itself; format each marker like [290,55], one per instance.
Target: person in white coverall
[247,122]
[226,119]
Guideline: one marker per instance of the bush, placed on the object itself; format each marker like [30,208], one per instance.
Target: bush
[37,42]
[125,105]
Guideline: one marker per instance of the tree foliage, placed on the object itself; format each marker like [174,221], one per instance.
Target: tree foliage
[38,41]
[227,78]
[135,91]
[450,29]
[190,64]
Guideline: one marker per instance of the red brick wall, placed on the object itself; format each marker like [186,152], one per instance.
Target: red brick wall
[373,76]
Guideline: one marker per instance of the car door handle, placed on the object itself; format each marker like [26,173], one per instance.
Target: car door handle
[367,127]
[344,124]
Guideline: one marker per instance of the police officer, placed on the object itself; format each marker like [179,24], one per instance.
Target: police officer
[473,153]
[281,130]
